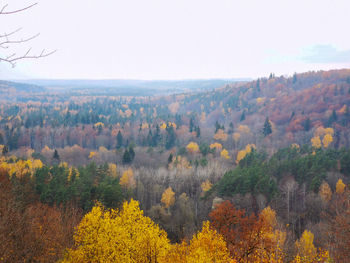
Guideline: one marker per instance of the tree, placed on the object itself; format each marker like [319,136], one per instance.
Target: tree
[118,236]
[5,150]
[56,155]
[168,197]
[242,233]
[340,186]
[127,156]
[119,140]
[170,137]
[9,40]
[192,147]
[267,129]
[306,250]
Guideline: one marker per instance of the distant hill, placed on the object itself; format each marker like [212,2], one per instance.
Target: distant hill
[9,86]
[135,87]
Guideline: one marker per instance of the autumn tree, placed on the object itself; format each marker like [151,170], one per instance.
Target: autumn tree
[243,233]
[168,197]
[306,250]
[124,235]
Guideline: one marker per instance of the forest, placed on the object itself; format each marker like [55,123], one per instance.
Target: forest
[248,171]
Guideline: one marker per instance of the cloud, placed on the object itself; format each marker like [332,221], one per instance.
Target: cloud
[326,54]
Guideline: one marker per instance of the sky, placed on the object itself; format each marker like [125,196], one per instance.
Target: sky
[178,39]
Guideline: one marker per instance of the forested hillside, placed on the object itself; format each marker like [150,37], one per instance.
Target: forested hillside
[255,171]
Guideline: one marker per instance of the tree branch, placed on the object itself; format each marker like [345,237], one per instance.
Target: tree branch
[2,12]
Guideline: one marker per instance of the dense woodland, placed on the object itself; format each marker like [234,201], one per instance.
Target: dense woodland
[253,171]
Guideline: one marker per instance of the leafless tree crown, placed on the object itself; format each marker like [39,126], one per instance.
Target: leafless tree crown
[10,39]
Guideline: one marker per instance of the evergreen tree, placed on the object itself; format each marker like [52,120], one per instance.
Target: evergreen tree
[131,153]
[242,116]
[307,124]
[332,118]
[170,137]
[230,131]
[191,126]
[198,132]
[170,158]
[267,127]
[5,150]
[126,157]
[55,155]
[295,78]
[119,140]
[1,139]
[156,137]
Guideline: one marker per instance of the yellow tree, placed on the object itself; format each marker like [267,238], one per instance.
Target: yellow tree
[118,236]
[327,140]
[127,180]
[217,146]
[206,246]
[340,187]
[316,142]
[224,154]
[206,186]
[306,250]
[241,154]
[325,192]
[168,197]
[192,147]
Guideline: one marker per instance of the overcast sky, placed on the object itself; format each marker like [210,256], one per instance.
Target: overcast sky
[177,39]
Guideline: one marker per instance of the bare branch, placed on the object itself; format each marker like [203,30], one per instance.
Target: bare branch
[8,39]
[12,59]
[2,12]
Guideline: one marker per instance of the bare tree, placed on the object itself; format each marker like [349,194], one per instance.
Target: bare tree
[10,39]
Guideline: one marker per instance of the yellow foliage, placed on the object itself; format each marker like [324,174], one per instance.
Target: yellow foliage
[320,131]
[118,236]
[295,146]
[206,246]
[127,180]
[163,126]
[260,100]
[92,154]
[269,217]
[241,154]
[168,197]
[224,154]
[307,252]
[340,187]
[325,192]
[316,142]
[216,145]
[220,135]
[112,170]
[98,124]
[192,147]
[72,171]
[206,186]
[327,139]
[37,163]
[243,129]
